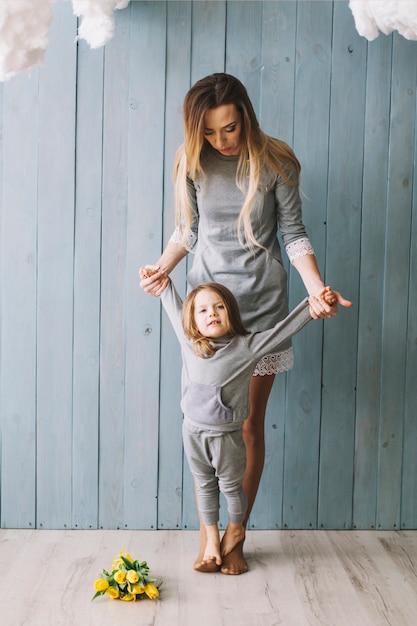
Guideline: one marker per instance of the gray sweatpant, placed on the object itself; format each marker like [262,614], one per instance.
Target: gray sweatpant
[217,460]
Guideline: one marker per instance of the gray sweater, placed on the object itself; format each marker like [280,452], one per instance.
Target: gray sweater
[215,391]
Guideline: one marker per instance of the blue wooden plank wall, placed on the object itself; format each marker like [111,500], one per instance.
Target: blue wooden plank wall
[90,368]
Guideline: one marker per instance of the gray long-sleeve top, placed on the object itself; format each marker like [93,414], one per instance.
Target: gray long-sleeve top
[215,391]
[257,278]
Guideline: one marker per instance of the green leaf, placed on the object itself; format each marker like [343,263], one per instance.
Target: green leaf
[96,595]
[148,579]
[128,563]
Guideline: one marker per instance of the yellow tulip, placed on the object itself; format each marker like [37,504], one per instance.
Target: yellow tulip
[132,576]
[128,597]
[138,589]
[112,592]
[151,591]
[101,584]
[120,577]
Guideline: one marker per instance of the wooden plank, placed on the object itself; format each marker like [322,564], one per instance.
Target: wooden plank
[409,485]
[1,274]
[311,140]
[244,60]
[279,27]
[388,558]
[396,278]
[208,38]
[143,241]
[170,480]
[207,56]
[57,90]
[87,261]
[18,230]
[113,274]
[343,255]
[244,46]
[276,101]
[378,94]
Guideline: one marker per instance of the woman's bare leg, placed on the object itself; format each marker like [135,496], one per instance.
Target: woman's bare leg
[235,534]
[254,437]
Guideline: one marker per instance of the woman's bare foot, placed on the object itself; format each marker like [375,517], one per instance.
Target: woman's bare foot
[235,533]
[208,559]
[234,563]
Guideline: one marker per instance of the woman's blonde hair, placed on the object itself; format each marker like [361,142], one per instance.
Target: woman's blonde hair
[202,344]
[258,150]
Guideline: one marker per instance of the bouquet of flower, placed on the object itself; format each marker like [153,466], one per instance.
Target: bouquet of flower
[128,580]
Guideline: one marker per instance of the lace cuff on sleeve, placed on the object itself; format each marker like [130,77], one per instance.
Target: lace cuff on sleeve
[190,243]
[298,248]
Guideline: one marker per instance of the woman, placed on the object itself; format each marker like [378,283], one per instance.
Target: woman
[234,188]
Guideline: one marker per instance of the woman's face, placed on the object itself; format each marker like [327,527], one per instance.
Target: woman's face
[222,129]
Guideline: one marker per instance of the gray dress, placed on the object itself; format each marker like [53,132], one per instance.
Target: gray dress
[257,278]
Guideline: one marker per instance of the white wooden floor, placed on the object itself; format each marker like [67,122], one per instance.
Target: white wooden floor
[296,578]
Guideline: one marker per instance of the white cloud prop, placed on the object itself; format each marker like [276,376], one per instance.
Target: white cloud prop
[97,23]
[24,26]
[24,37]
[372,16]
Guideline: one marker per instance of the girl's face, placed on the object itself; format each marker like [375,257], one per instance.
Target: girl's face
[222,129]
[210,314]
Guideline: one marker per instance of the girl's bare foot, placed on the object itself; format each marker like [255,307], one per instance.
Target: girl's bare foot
[208,559]
[212,551]
[234,563]
[202,540]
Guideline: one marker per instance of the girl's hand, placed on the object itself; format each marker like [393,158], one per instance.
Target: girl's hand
[325,304]
[329,296]
[153,279]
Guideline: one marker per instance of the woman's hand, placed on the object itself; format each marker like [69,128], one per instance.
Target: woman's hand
[325,304]
[153,279]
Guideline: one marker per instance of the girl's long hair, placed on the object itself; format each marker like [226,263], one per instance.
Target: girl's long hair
[258,151]
[202,345]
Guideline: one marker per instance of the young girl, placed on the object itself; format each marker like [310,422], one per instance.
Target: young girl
[219,356]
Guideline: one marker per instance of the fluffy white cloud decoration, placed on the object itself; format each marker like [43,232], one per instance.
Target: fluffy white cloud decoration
[24,26]
[97,23]
[372,16]
[24,37]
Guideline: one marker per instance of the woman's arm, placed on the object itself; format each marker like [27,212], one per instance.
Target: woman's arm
[298,246]
[154,278]
[307,267]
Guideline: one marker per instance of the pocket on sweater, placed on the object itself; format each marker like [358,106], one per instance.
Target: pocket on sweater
[203,404]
